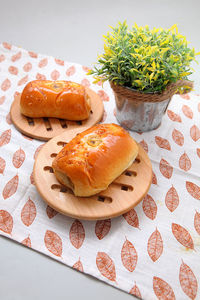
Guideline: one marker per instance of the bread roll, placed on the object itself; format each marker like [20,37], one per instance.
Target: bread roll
[94,158]
[57,99]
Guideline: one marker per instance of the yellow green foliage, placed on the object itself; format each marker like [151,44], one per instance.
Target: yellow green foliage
[144,59]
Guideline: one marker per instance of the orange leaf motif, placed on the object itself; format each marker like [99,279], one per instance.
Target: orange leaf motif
[6,222]
[184,162]
[32,179]
[129,256]
[51,212]
[37,151]
[78,266]
[33,54]
[27,242]
[131,218]
[59,62]
[172,199]
[6,84]
[77,234]
[28,213]
[162,143]
[154,178]
[144,145]
[193,190]
[102,228]
[182,236]
[165,168]
[149,207]
[195,133]
[85,82]
[106,266]
[173,116]
[5,137]
[86,69]
[55,75]
[23,80]
[2,165]
[53,242]
[18,158]
[13,70]
[178,137]
[198,152]
[10,187]
[103,95]
[155,245]
[7,45]
[135,291]
[2,99]
[43,63]
[70,71]
[16,57]
[8,119]
[162,289]
[2,58]
[185,96]
[40,76]
[187,111]
[27,67]
[188,281]
[197,222]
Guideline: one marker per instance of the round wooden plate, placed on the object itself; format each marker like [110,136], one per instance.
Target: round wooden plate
[47,128]
[121,195]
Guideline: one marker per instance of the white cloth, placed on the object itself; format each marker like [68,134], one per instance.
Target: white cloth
[153,251]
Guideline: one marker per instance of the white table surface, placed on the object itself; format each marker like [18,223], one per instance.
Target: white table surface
[72,30]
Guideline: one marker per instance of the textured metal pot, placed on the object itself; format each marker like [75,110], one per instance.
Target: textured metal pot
[139,116]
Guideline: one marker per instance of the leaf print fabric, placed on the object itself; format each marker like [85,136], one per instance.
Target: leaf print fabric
[152,250]
[28,213]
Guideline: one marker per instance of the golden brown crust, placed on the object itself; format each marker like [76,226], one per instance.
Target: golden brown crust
[94,158]
[56,99]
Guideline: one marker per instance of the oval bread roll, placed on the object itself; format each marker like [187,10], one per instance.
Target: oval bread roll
[94,158]
[56,99]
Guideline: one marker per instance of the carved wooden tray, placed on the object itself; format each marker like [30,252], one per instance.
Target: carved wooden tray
[122,195]
[47,128]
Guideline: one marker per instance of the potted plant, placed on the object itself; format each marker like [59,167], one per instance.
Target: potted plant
[145,69]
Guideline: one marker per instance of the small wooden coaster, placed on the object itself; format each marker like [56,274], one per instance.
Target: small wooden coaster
[122,195]
[47,128]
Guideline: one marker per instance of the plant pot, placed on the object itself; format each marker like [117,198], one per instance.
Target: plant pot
[142,112]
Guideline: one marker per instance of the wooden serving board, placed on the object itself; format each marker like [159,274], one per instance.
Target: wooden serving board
[122,195]
[46,128]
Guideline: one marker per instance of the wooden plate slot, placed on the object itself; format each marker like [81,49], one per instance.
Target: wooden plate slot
[123,187]
[30,121]
[61,143]
[61,188]
[104,199]
[137,160]
[54,154]
[130,173]
[79,123]
[47,124]
[48,168]
[63,123]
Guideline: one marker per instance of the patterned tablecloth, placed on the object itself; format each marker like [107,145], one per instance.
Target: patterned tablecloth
[153,251]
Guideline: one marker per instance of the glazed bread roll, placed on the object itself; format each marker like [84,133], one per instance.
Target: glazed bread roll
[94,158]
[56,99]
